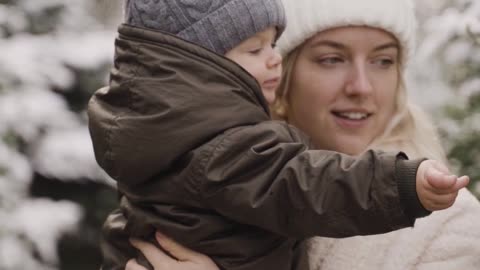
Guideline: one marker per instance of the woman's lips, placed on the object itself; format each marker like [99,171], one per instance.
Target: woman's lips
[352,119]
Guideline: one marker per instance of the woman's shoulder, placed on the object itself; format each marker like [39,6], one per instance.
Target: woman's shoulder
[467,199]
[454,235]
[465,211]
[436,242]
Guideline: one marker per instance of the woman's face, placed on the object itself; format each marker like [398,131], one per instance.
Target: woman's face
[344,86]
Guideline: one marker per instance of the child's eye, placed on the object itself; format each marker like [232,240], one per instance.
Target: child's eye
[255,51]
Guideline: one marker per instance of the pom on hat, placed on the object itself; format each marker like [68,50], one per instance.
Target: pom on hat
[218,25]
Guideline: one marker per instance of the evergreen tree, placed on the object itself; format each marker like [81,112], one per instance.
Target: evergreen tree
[449,62]
[53,196]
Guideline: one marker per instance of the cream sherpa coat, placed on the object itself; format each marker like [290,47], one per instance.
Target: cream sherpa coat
[445,240]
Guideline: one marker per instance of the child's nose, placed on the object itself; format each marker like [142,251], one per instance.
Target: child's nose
[275,59]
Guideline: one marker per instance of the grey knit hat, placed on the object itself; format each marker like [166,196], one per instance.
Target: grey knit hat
[218,25]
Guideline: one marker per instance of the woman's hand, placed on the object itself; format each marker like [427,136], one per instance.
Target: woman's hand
[185,259]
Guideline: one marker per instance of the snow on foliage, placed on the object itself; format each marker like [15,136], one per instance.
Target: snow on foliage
[44,45]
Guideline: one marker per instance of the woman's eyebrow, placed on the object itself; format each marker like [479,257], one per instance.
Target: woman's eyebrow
[385,46]
[329,43]
[340,46]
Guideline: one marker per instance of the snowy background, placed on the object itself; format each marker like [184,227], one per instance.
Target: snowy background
[56,53]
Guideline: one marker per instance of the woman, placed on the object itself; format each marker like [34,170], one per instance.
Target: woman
[343,85]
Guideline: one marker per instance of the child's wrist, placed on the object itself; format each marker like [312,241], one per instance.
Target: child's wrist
[406,174]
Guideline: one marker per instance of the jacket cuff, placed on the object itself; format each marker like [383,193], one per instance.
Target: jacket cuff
[406,173]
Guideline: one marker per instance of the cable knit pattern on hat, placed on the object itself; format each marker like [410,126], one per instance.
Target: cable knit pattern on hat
[218,25]
[313,16]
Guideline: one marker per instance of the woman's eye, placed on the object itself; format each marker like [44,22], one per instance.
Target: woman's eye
[329,61]
[384,62]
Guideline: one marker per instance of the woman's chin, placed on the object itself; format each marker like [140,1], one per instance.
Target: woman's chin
[351,146]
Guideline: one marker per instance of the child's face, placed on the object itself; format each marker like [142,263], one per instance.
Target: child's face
[258,56]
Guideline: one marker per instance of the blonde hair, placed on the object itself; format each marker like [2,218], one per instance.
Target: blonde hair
[410,129]
[280,105]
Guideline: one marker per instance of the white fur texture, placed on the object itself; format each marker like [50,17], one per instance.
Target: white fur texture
[308,17]
[445,240]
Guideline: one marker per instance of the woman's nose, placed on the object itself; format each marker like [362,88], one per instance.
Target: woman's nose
[360,81]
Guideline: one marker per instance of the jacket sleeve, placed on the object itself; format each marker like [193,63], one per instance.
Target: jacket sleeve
[116,250]
[265,176]
[115,245]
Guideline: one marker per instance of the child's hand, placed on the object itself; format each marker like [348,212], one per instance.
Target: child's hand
[437,188]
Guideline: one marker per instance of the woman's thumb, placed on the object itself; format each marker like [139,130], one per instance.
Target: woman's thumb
[175,249]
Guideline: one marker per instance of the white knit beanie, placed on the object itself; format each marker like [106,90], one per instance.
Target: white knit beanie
[308,17]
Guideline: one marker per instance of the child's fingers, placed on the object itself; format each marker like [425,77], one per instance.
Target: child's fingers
[154,255]
[441,201]
[461,182]
[439,180]
[178,251]
[133,265]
